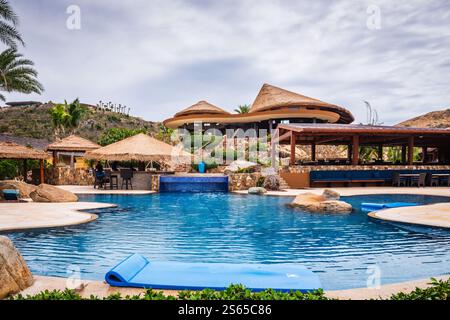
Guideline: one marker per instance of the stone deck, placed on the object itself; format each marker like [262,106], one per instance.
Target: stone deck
[35,215]
[434,215]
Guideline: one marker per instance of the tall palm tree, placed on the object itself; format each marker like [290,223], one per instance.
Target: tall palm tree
[59,117]
[9,35]
[242,109]
[17,74]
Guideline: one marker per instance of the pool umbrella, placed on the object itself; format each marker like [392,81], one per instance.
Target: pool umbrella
[140,147]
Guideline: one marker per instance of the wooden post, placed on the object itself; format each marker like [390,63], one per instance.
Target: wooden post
[349,153]
[403,154]
[380,152]
[410,150]
[355,150]
[25,171]
[42,171]
[313,151]
[424,154]
[293,141]
[72,161]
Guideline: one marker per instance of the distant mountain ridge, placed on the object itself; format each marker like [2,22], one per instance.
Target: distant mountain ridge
[434,119]
[35,122]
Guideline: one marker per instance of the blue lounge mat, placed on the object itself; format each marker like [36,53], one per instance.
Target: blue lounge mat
[380,206]
[137,271]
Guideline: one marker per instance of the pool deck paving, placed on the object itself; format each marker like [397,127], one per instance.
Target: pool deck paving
[101,289]
[35,215]
[91,190]
[433,215]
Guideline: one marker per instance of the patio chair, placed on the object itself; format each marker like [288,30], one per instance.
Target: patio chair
[419,181]
[446,182]
[126,175]
[398,181]
[432,181]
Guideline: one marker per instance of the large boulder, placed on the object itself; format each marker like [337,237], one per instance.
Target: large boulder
[325,203]
[14,273]
[48,193]
[24,188]
[257,190]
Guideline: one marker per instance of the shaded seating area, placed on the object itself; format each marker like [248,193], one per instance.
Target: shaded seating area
[398,178]
[142,149]
[14,151]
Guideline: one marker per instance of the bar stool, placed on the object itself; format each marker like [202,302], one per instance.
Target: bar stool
[114,181]
[126,175]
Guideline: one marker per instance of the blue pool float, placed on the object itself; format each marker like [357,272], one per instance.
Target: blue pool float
[367,206]
[137,271]
[11,194]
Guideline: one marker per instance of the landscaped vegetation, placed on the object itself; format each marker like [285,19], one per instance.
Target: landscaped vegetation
[438,290]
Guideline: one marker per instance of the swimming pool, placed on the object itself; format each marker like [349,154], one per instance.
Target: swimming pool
[232,228]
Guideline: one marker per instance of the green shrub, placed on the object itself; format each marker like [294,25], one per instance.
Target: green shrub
[438,290]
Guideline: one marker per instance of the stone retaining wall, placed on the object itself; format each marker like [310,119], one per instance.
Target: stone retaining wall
[242,181]
[69,176]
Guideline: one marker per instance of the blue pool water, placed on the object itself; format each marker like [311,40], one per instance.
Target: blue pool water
[239,229]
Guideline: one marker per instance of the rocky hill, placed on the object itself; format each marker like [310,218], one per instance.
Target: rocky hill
[35,122]
[435,119]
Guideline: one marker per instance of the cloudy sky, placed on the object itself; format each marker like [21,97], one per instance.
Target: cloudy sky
[160,56]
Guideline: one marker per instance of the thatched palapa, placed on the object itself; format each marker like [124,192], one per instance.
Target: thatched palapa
[201,107]
[11,150]
[72,143]
[140,147]
[271,97]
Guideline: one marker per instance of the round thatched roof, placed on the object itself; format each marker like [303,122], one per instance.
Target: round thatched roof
[11,150]
[72,143]
[140,147]
[201,107]
[271,98]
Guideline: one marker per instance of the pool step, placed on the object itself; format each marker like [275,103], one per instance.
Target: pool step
[283,184]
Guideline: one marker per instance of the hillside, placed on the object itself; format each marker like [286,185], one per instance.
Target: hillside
[435,119]
[35,122]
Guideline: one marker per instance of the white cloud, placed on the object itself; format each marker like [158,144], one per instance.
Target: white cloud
[161,56]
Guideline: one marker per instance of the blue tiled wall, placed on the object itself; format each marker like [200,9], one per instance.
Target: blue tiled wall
[193,184]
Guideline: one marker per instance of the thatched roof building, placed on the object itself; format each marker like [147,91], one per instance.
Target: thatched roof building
[272,106]
[11,150]
[72,143]
[201,107]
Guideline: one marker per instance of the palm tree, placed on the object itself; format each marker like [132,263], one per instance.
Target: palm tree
[59,117]
[66,117]
[8,23]
[75,113]
[242,109]
[17,74]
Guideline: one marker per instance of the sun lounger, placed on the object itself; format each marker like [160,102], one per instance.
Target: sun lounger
[137,271]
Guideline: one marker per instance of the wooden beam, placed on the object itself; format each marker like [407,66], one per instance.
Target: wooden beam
[313,152]
[25,170]
[410,150]
[355,150]
[292,158]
